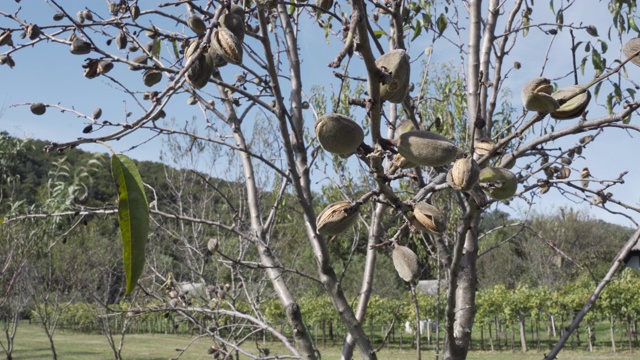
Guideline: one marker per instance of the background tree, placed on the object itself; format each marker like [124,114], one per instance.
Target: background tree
[242,65]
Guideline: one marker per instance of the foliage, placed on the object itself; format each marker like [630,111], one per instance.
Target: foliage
[133,216]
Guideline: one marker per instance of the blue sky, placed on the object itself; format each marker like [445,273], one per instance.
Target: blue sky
[48,73]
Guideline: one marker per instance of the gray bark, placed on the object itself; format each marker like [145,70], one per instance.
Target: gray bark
[523,335]
[462,287]
[376,232]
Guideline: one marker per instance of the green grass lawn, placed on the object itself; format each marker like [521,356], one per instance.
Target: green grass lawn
[32,344]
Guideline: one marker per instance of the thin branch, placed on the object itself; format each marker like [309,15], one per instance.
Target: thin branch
[618,262]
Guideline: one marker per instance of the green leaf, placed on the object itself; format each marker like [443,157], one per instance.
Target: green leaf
[621,24]
[427,20]
[378,33]
[632,24]
[157,46]
[176,50]
[632,94]
[327,26]
[597,90]
[442,23]
[577,45]
[133,215]
[596,60]
[418,30]
[617,92]
[527,21]
[560,19]
[582,65]
[603,46]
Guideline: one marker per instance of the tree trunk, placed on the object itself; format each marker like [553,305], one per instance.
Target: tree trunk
[333,340]
[513,338]
[491,338]
[324,333]
[613,340]
[462,287]
[538,333]
[301,336]
[590,338]
[54,354]
[376,232]
[629,334]
[11,326]
[523,335]
[532,329]
[418,330]
[497,332]
[296,154]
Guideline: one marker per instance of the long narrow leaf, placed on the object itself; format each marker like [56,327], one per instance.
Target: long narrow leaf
[133,214]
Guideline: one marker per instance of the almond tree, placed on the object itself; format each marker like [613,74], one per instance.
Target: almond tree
[429,177]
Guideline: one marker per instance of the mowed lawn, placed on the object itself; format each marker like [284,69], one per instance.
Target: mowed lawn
[32,343]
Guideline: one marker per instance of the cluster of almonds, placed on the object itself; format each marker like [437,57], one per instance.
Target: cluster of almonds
[341,135]
[225,45]
[567,103]
[538,95]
